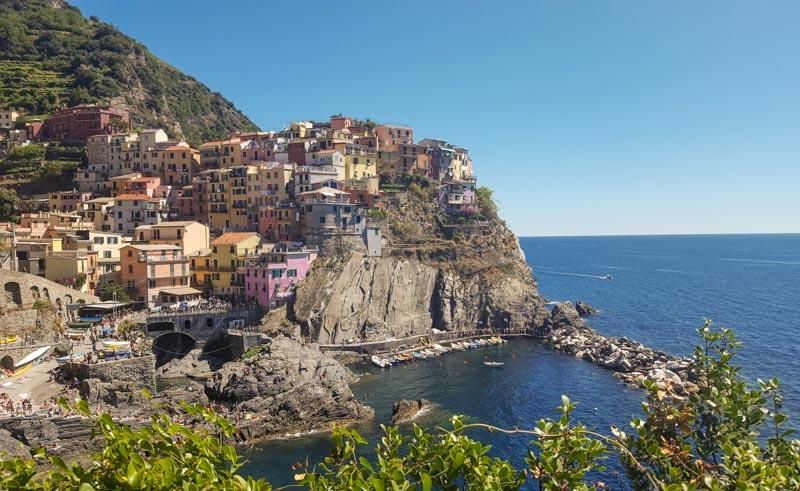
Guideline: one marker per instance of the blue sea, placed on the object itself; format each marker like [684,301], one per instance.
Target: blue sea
[660,290]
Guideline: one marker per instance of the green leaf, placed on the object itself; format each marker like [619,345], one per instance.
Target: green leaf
[426,482]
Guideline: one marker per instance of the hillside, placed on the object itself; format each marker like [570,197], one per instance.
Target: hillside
[51,55]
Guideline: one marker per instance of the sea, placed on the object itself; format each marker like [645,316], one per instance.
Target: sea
[654,289]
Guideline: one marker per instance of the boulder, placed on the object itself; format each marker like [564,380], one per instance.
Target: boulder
[287,387]
[584,309]
[408,409]
[10,447]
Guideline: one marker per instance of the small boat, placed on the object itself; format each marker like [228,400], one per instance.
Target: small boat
[31,360]
[418,356]
[116,346]
[494,364]
[380,362]
[606,277]
[404,356]
[73,358]
[8,340]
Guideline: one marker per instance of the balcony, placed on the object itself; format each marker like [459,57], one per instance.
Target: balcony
[143,258]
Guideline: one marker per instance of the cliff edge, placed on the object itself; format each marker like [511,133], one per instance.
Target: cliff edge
[436,271]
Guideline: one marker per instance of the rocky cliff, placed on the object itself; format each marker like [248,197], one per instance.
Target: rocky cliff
[433,274]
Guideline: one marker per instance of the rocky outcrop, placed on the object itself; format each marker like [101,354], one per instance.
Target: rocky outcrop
[632,361]
[287,387]
[193,364]
[372,299]
[406,410]
[10,447]
[584,309]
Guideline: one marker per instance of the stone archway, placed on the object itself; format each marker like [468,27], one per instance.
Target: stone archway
[46,294]
[172,345]
[35,293]
[12,290]
[58,304]
[7,362]
[68,299]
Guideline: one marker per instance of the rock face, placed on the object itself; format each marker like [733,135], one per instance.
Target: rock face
[10,447]
[371,299]
[584,309]
[406,410]
[193,364]
[287,387]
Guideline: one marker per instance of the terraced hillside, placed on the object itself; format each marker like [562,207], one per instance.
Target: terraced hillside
[51,55]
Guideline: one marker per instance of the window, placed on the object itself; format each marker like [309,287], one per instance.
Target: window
[214,249]
[151,283]
[322,220]
[232,249]
[277,273]
[130,253]
[291,273]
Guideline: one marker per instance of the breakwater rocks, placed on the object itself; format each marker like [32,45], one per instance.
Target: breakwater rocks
[632,361]
[287,387]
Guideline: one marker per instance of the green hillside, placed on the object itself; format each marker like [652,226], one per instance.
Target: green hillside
[51,55]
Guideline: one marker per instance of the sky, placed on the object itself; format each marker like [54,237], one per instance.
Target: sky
[585,118]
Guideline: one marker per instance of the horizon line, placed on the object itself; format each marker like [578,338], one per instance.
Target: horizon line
[666,234]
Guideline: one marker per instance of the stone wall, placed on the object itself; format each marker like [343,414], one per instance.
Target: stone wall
[20,290]
[139,370]
[18,321]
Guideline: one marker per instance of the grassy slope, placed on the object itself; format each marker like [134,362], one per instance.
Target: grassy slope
[50,55]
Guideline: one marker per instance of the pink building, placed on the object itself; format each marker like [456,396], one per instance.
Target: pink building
[270,278]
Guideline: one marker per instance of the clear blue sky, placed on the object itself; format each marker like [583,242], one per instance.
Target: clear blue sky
[586,118]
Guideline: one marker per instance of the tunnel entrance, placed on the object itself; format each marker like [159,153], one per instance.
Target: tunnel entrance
[172,345]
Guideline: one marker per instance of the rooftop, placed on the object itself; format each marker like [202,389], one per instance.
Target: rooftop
[229,238]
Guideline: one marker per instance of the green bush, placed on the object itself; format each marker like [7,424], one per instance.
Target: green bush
[724,436]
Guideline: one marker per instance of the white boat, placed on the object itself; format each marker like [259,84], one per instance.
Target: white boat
[31,360]
[494,364]
[380,362]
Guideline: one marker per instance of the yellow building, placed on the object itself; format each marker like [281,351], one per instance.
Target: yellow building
[268,185]
[98,212]
[77,269]
[226,197]
[217,269]
[190,236]
[219,154]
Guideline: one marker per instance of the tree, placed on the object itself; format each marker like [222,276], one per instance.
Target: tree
[8,203]
[108,291]
[486,204]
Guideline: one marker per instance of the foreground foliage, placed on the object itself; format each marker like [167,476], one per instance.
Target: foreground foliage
[726,436]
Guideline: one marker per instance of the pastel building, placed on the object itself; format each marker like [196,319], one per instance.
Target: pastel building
[458,196]
[8,118]
[133,210]
[67,201]
[146,269]
[280,222]
[98,212]
[270,278]
[190,236]
[217,270]
[77,269]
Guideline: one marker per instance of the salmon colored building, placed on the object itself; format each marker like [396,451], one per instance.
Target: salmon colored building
[149,268]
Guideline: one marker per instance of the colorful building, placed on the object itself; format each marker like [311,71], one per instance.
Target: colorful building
[190,236]
[146,269]
[217,270]
[77,269]
[67,201]
[77,124]
[270,278]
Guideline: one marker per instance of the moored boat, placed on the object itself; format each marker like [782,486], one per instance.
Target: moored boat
[380,362]
[31,360]
[494,364]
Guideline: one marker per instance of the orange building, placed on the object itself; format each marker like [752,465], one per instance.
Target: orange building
[149,268]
